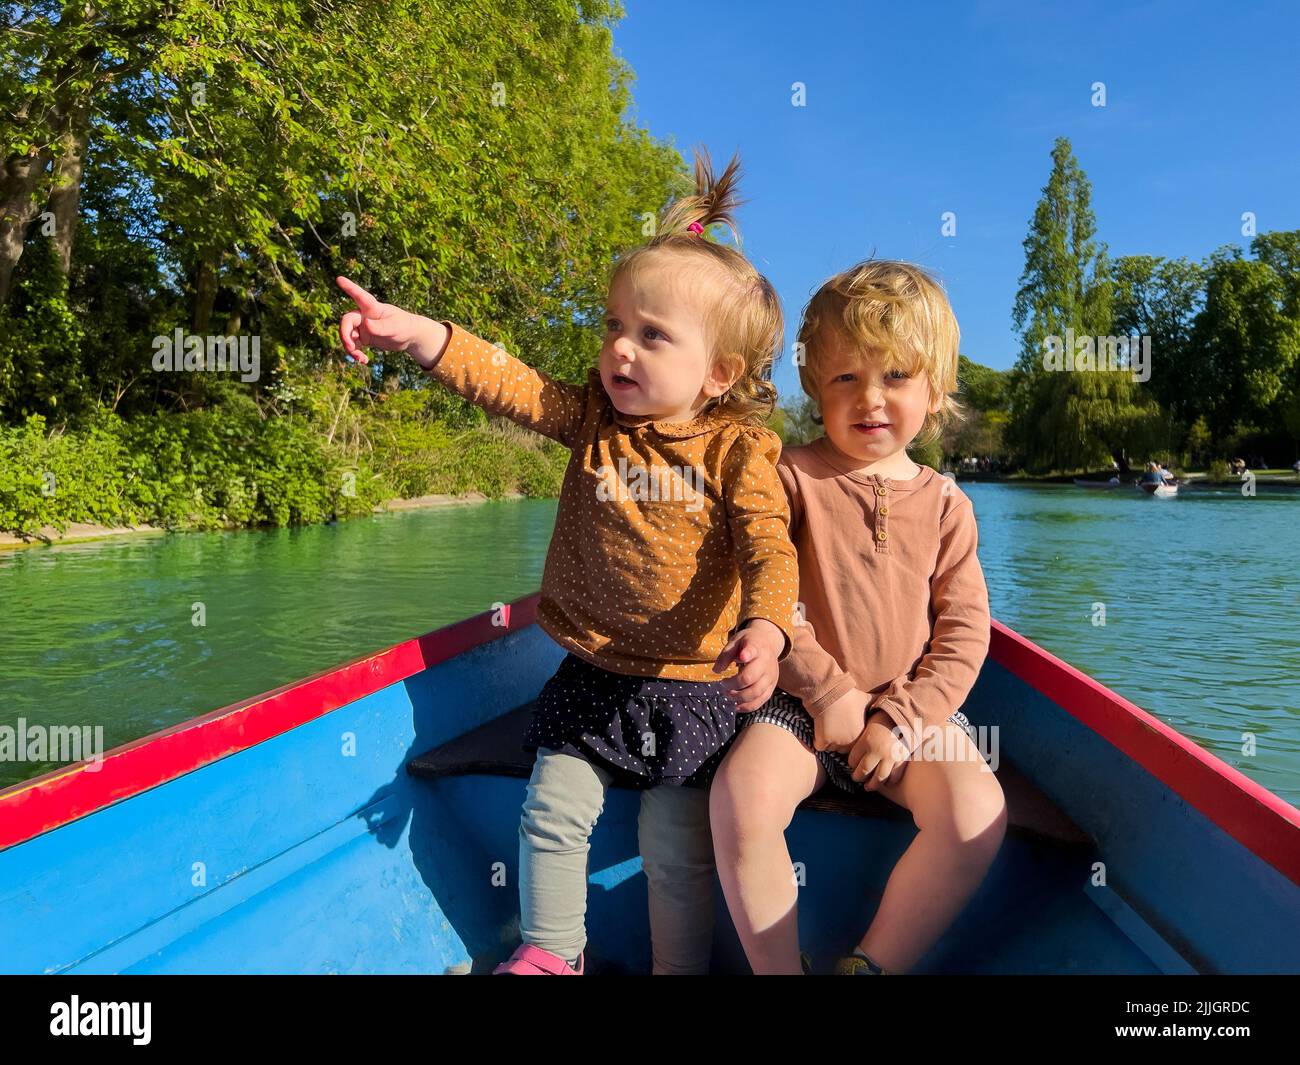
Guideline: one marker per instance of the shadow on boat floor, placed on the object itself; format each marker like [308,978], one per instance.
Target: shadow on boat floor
[1041,874]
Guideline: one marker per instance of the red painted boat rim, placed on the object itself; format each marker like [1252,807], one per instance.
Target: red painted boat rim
[42,804]
[1253,815]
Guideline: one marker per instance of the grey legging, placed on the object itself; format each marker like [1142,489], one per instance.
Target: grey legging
[565,797]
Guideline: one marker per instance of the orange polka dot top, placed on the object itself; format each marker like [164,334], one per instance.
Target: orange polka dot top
[669,536]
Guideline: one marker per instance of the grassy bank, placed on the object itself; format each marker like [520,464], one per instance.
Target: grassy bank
[226,469]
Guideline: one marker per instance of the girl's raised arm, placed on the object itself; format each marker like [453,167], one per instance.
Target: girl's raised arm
[471,367]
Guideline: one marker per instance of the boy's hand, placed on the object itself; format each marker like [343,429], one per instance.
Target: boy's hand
[388,328]
[839,725]
[878,755]
[756,648]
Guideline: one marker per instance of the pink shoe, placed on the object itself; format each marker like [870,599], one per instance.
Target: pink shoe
[528,960]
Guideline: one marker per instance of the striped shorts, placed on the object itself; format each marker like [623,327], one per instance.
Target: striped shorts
[787,712]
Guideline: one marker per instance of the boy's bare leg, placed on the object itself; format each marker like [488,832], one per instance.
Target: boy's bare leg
[960,811]
[765,775]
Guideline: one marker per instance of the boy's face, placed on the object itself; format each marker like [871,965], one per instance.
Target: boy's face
[856,390]
[654,336]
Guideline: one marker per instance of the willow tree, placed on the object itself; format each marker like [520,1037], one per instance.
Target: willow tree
[1079,415]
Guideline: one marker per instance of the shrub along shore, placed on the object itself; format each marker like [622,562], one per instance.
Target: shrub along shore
[206,470]
[80,532]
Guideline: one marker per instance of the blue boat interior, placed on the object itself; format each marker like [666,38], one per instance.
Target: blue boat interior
[382,837]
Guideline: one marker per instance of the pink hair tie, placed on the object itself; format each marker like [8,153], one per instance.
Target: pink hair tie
[695,227]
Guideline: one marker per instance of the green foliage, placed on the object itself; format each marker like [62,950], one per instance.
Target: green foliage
[40,337]
[930,454]
[229,466]
[797,425]
[1224,342]
[981,388]
[493,462]
[1249,340]
[1159,298]
[1066,282]
[238,157]
[981,434]
[1198,441]
[481,169]
[54,479]
[201,470]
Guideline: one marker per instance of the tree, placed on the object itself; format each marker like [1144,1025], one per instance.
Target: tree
[983,392]
[1159,298]
[1077,416]
[1251,345]
[58,61]
[797,426]
[982,388]
[477,165]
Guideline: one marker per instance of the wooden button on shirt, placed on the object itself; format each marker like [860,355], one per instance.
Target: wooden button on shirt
[669,536]
[902,615]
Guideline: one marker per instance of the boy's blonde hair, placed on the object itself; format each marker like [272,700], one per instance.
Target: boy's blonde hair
[744,316]
[897,310]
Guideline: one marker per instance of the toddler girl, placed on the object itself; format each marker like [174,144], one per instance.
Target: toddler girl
[670,562]
[897,627]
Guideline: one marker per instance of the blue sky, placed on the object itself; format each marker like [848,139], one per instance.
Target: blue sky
[920,108]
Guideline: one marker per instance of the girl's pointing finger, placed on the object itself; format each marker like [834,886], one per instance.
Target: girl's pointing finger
[366,303]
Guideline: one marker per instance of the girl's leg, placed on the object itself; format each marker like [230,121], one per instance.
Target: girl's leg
[677,855]
[765,775]
[565,797]
[957,805]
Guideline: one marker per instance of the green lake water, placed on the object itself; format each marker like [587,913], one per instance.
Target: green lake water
[1202,608]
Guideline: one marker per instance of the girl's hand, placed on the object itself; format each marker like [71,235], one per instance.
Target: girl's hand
[879,755]
[388,328]
[756,648]
[839,725]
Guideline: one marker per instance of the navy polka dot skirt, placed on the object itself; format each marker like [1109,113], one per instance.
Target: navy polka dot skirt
[645,731]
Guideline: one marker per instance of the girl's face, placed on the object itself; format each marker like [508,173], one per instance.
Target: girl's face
[656,356]
[859,392]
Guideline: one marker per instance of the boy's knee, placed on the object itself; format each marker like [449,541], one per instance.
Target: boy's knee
[974,819]
[989,809]
[997,814]
[749,802]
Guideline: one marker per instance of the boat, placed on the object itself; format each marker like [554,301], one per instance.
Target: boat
[364,820]
[1080,482]
[1161,490]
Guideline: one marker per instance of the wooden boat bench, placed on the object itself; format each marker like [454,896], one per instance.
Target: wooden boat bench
[497,749]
